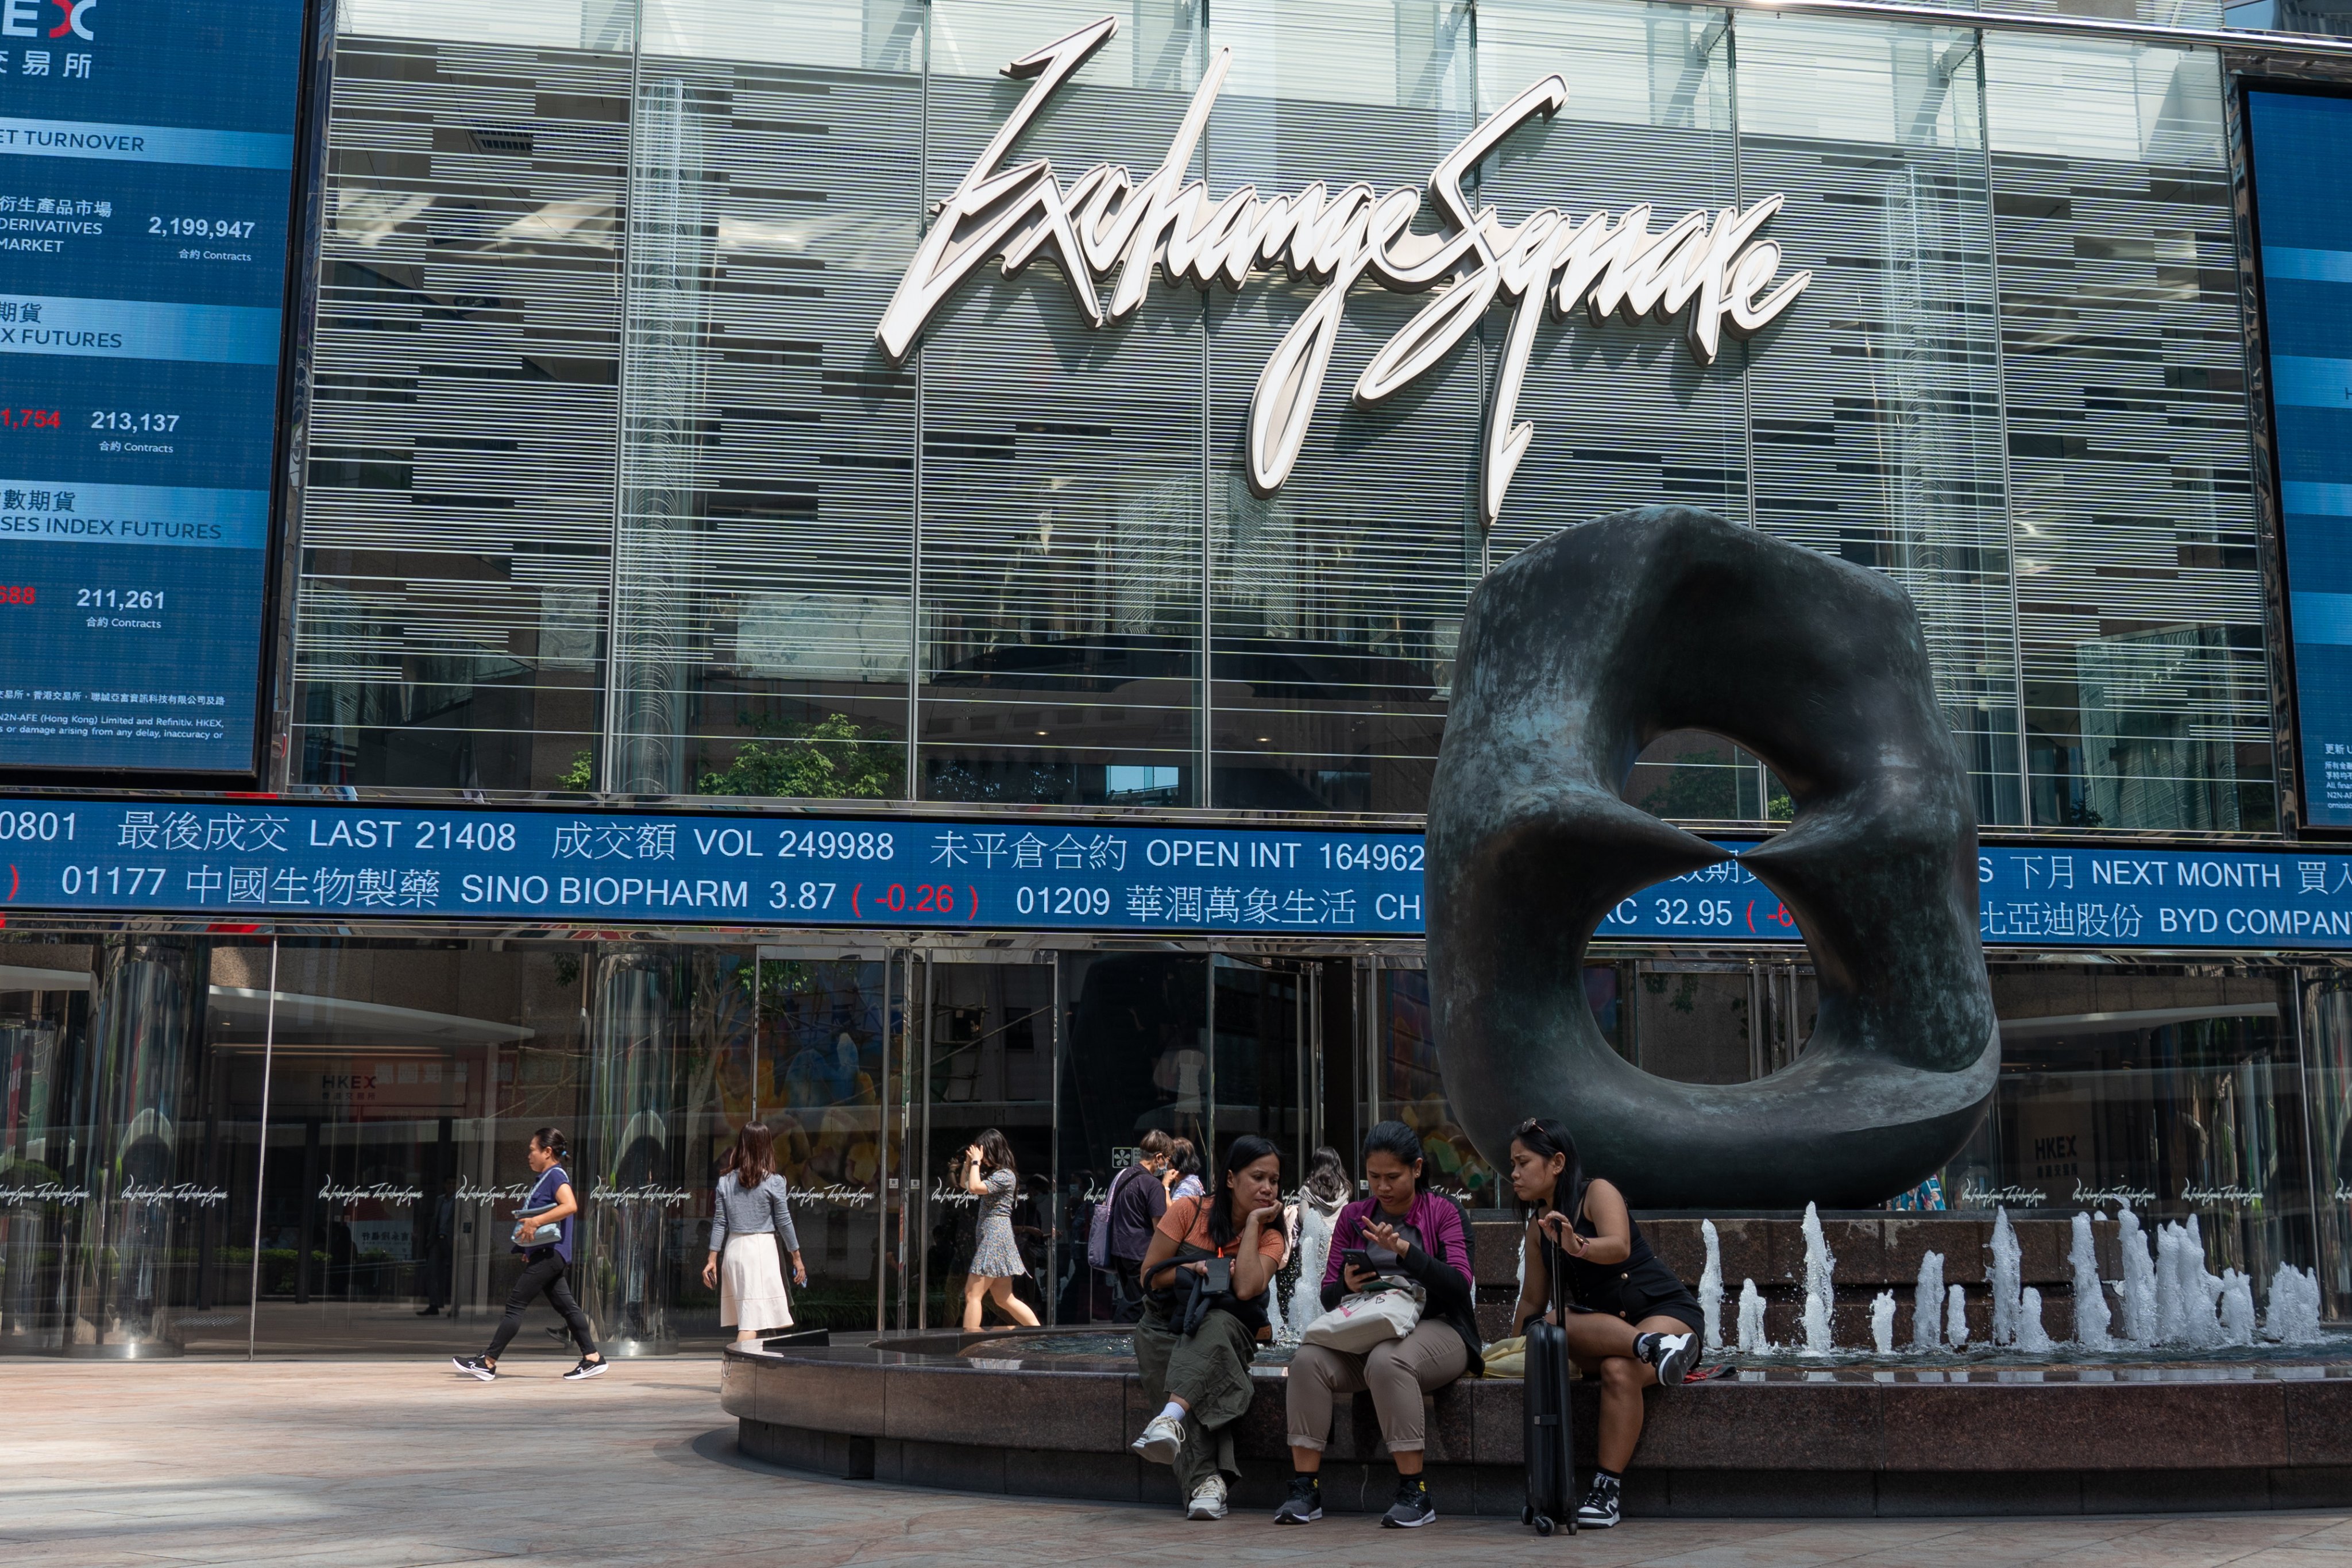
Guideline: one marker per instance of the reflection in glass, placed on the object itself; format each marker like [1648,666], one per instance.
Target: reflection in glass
[1135,1061]
[2139,598]
[988,1061]
[2183,1100]
[826,1025]
[1876,407]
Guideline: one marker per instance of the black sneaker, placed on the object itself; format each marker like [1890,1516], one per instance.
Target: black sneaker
[1672,1354]
[1305,1503]
[1411,1508]
[1599,1509]
[475,1367]
[585,1369]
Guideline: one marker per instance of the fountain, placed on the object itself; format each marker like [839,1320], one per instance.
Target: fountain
[1710,1287]
[1821,1293]
[2237,1309]
[2033,1339]
[1909,1418]
[2138,1291]
[1927,1304]
[2294,1317]
[2007,1274]
[2090,1298]
[1751,1319]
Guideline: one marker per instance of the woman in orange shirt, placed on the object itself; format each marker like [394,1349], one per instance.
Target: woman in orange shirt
[1201,1379]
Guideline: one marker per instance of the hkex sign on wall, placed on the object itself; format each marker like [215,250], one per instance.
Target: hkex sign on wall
[146,168]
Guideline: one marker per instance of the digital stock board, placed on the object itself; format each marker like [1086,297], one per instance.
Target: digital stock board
[274,859]
[147,157]
[2305,228]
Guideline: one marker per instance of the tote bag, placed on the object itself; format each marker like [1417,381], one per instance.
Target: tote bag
[1365,1320]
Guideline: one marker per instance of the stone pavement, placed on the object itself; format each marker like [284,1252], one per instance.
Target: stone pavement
[383,1464]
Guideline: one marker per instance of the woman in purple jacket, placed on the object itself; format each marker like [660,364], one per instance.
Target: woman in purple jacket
[1404,1231]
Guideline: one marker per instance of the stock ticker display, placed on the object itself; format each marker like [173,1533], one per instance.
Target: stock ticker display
[283,860]
[146,166]
[2305,226]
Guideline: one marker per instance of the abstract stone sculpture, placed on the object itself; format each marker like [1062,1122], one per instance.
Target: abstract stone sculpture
[1573,657]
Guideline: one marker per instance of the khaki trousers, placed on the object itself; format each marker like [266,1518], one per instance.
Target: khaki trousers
[1398,1372]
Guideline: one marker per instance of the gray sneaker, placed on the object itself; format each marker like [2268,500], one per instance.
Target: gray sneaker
[1411,1508]
[1305,1503]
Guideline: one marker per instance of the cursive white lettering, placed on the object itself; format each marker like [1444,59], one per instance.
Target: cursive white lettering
[1714,267]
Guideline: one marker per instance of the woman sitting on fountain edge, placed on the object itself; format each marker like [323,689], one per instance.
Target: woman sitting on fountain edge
[1629,1319]
[1202,1378]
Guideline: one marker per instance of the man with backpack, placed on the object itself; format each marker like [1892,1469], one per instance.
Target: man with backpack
[1121,1232]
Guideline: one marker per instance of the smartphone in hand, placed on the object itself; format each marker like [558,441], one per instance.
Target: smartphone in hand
[1356,1258]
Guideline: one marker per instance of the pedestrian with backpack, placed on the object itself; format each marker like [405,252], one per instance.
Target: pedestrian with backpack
[1399,1320]
[1120,1232]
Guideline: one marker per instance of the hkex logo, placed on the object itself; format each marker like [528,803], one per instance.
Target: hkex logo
[21,18]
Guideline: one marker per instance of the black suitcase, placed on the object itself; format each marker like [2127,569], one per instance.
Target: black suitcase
[1546,1436]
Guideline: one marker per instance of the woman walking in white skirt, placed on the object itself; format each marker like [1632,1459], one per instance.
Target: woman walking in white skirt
[750,1218]
[988,1174]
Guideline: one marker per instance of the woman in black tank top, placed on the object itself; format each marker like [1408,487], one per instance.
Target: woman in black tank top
[1628,1318]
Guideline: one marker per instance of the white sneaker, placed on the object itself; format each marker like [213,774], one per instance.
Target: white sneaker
[1208,1499]
[1162,1440]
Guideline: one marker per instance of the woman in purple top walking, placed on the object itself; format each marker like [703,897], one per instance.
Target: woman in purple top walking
[544,1239]
[1403,1229]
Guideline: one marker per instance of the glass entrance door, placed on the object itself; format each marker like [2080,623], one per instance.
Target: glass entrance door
[1262,1024]
[987,1062]
[822,1081]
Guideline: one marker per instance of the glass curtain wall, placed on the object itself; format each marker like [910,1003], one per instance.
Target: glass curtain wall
[1876,405]
[127,1155]
[2140,608]
[1061,472]
[2328,1098]
[765,559]
[1027,566]
[1337,602]
[456,532]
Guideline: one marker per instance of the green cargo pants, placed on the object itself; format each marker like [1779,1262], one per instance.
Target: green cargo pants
[1210,1373]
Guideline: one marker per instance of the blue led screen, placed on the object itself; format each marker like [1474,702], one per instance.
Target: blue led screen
[146,161]
[265,858]
[2305,225]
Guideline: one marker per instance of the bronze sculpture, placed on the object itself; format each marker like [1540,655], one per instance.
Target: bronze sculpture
[1574,656]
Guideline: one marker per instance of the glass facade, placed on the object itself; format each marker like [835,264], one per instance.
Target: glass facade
[611,491]
[612,487]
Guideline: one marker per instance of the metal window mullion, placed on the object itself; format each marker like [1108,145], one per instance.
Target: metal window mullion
[915,508]
[608,763]
[2001,406]
[261,1150]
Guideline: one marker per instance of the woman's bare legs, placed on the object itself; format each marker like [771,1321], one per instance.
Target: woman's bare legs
[1608,1343]
[975,1286]
[1012,1306]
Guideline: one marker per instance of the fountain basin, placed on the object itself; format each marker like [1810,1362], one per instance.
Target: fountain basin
[1049,1413]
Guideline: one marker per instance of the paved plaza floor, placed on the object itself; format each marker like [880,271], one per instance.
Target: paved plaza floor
[385,1463]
